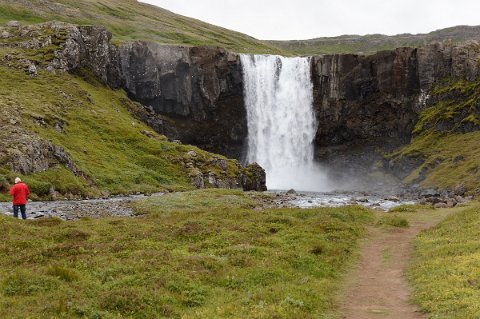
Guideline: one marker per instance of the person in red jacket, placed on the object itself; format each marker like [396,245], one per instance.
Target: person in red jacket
[19,193]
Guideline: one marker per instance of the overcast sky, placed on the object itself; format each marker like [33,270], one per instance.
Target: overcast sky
[306,19]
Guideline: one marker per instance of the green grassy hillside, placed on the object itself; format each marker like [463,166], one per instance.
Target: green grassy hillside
[108,150]
[131,20]
[372,43]
[202,254]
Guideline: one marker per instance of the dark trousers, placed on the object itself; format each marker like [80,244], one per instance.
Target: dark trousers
[23,210]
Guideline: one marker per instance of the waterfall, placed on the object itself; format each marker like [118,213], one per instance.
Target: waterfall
[281,121]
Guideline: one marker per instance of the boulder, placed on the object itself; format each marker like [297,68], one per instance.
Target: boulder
[459,190]
[440,205]
[291,192]
[5,35]
[32,70]
[254,178]
[13,24]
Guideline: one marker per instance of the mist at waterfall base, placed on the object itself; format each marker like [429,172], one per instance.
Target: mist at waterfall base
[281,122]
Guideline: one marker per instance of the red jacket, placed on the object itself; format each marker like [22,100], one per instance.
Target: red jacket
[19,193]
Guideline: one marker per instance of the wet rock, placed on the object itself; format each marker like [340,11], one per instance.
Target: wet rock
[393,199]
[429,193]
[291,192]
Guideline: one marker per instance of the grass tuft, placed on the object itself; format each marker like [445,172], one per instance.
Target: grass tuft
[393,220]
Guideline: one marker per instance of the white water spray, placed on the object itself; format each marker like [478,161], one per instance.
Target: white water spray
[281,121]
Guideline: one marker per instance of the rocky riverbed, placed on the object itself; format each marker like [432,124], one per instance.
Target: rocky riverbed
[120,206]
[371,200]
[72,210]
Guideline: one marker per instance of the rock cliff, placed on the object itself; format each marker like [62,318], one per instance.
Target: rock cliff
[365,105]
[55,130]
[380,96]
[369,105]
[200,89]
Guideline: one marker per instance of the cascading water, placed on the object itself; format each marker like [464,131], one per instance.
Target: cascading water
[281,120]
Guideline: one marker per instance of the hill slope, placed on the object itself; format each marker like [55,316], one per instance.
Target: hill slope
[72,135]
[376,42]
[131,20]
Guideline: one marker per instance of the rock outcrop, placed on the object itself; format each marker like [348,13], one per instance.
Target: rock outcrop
[200,89]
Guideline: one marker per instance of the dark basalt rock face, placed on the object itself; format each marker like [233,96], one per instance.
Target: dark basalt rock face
[367,105]
[380,96]
[200,89]
[365,97]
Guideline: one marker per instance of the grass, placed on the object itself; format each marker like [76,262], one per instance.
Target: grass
[447,138]
[393,221]
[200,254]
[408,208]
[132,20]
[445,272]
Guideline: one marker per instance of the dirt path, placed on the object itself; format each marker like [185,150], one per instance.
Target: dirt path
[377,287]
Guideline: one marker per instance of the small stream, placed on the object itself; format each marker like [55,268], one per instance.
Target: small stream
[338,199]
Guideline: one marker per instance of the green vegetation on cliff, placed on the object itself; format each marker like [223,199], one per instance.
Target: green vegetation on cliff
[112,151]
[201,254]
[447,138]
[445,271]
[371,43]
[132,20]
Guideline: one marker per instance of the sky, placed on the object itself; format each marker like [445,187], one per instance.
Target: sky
[307,19]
